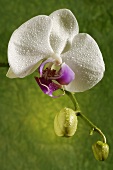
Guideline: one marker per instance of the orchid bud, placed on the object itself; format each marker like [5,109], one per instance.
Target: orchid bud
[100,150]
[65,123]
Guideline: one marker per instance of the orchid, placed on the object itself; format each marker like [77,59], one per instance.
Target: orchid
[63,57]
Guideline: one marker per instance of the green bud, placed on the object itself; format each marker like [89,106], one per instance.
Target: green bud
[100,150]
[65,123]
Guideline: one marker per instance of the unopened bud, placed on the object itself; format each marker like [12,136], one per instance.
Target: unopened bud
[65,123]
[100,150]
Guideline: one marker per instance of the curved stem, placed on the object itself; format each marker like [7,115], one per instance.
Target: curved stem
[74,101]
[78,112]
[94,128]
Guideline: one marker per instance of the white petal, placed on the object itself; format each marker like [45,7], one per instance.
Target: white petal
[65,27]
[29,44]
[85,59]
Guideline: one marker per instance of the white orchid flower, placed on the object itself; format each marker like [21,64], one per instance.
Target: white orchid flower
[63,56]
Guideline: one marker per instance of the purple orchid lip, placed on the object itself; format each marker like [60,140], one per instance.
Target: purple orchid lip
[66,75]
[48,76]
[48,87]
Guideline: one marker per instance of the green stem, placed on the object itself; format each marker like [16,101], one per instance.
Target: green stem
[73,99]
[78,112]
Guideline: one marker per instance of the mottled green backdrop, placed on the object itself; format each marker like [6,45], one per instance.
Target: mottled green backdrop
[27,139]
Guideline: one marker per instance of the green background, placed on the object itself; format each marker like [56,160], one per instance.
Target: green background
[27,139]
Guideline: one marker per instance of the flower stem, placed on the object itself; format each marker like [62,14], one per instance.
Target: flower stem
[78,113]
[74,101]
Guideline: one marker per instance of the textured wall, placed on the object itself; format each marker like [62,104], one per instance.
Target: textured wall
[27,139]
